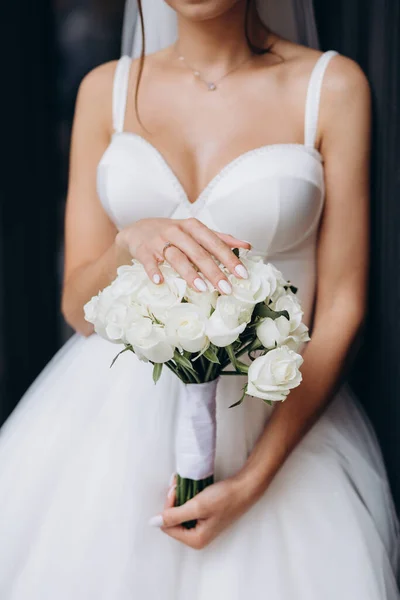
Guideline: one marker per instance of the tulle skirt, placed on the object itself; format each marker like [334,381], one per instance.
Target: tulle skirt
[85,461]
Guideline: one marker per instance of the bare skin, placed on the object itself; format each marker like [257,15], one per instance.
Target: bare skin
[199,132]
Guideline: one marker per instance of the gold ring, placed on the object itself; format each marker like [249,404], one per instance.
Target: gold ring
[166,246]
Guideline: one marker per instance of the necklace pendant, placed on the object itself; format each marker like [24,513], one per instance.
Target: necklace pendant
[211,86]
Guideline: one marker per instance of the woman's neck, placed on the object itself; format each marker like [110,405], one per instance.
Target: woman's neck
[220,42]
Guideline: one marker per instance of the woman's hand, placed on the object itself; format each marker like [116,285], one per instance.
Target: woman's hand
[193,246]
[214,509]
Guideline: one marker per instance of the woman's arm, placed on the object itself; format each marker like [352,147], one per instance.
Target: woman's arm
[91,256]
[343,257]
[340,306]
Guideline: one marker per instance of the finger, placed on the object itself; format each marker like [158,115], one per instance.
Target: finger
[218,248]
[171,517]
[171,496]
[150,264]
[194,538]
[232,241]
[202,259]
[182,265]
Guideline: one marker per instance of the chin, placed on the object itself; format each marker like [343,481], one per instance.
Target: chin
[202,10]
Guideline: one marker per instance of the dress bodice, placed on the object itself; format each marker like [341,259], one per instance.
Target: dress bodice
[271,196]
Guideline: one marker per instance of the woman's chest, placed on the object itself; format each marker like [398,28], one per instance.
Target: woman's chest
[271,196]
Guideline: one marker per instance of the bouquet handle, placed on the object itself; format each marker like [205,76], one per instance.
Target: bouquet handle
[195,444]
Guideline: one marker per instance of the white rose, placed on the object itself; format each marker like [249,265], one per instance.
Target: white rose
[272,332]
[129,280]
[98,306]
[91,309]
[168,272]
[260,284]
[149,341]
[98,311]
[228,321]
[119,318]
[206,301]
[116,322]
[298,331]
[298,337]
[186,327]
[272,376]
[158,299]
[290,303]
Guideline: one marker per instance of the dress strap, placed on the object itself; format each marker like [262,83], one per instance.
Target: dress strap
[120,92]
[314,97]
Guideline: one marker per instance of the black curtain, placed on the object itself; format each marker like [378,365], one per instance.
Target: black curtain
[369,32]
[28,198]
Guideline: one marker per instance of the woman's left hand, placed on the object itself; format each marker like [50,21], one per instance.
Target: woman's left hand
[214,509]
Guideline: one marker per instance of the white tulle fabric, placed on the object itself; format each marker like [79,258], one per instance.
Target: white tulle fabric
[86,458]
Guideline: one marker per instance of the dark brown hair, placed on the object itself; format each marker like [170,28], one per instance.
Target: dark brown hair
[253,47]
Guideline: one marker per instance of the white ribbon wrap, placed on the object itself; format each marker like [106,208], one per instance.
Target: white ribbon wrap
[196,430]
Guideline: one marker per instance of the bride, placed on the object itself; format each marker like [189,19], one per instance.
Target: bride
[231,133]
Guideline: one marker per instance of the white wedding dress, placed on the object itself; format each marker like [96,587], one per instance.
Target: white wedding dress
[86,458]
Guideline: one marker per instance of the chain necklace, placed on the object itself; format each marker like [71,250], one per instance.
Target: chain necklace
[211,85]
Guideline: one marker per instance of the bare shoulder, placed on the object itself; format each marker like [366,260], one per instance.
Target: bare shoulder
[343,79]
[345,83]
[94,101]
[96,92]
[98,83]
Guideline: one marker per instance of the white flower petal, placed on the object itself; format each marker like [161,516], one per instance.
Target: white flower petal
[273,375]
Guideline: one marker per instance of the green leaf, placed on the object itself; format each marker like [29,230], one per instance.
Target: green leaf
[264,311]
[231,354]
[292,288]
[157,369]
[255,345]
[211,356]
[119,354]
[236,252]
[239,402]
[242,368]
[183,361]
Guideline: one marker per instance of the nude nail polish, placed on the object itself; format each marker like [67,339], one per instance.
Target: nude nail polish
[156,279]
[225,287]
[241,271]
[171,490]
[156,521]
[200,284]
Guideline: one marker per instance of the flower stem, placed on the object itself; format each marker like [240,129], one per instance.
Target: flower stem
[186,489]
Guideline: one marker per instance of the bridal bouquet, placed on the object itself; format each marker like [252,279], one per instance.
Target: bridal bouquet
[201,336]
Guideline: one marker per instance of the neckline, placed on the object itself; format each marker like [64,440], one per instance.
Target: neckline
[199,202]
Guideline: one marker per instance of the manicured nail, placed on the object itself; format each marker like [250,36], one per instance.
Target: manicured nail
[246,242]
[171,490]
[200,285]
[225,287]
[172,479]
[242,271]
[157,521]
[156,279]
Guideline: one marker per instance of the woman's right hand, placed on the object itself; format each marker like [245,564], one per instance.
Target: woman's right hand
[193,246]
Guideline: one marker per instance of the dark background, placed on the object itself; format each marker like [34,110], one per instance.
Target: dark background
[55,44]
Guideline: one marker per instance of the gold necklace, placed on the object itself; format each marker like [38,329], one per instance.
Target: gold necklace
[211,85]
